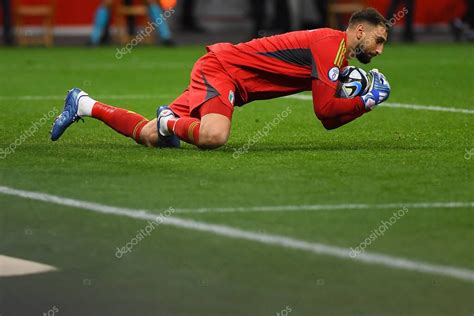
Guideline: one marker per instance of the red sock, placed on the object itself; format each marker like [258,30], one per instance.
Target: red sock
[125,122]
[186,128]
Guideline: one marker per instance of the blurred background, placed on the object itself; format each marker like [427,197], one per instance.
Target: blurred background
[183,22]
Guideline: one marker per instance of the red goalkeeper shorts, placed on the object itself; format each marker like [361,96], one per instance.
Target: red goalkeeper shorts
[211,90]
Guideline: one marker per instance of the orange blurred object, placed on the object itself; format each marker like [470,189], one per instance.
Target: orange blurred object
[167,4]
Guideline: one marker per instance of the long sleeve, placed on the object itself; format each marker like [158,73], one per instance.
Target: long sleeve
[332,111]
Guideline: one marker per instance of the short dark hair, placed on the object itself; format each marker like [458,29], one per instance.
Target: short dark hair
[371,16]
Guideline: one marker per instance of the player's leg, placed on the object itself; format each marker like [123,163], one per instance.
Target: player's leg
[78,105]
[149,134]
[214,131]
[101,20]
[207,126]
[202,114]
[209,132]
[159,20]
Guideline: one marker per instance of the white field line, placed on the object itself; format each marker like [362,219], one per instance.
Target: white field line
[99,97]
[321,207]
[268,239]
[400,105]
[118,66]
[15,266]
[296,97]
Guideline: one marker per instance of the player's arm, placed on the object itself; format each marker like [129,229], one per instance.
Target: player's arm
[327,106]
[328,57]
[339,121]
[335,112]
[332,111]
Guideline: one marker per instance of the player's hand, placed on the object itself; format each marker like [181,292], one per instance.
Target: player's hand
[379,91]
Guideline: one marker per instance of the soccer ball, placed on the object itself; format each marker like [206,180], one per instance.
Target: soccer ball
[353,82]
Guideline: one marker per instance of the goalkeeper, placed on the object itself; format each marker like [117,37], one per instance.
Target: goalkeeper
[234,75]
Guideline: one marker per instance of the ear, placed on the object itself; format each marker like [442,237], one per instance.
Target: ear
[360,31]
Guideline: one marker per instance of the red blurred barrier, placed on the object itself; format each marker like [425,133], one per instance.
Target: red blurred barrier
[81,12]
[428,11]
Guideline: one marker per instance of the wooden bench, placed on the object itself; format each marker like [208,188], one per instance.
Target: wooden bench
[44,11]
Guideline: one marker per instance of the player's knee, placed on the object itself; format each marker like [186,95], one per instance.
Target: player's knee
[212,139]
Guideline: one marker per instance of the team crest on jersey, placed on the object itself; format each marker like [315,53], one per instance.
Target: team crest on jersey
[231,97]
[333,74]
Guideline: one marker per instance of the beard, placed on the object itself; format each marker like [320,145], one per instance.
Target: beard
[362,56]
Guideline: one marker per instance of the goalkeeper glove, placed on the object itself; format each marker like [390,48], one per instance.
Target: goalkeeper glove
[379,90]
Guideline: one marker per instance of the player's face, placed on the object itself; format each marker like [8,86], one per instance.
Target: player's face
[371,43]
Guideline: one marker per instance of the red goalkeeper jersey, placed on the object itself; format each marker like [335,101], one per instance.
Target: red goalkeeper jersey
[284,64]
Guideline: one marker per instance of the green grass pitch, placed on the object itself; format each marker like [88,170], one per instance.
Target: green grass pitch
[391,155]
